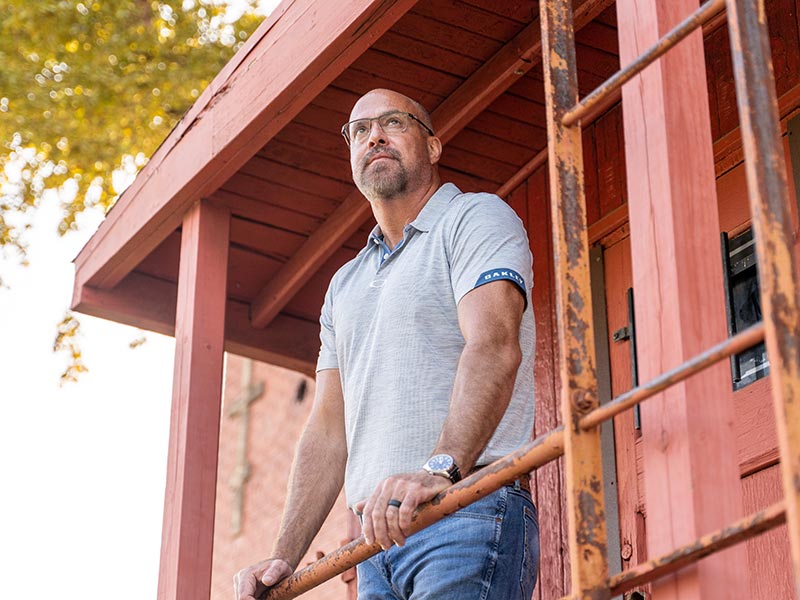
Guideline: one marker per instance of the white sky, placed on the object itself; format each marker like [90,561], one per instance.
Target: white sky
[83,466]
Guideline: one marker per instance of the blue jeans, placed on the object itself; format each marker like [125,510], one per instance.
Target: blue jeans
[486,551]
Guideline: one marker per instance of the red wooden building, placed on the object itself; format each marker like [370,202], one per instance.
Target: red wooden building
[229,235]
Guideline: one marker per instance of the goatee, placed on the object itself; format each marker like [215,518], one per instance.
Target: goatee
[382,181]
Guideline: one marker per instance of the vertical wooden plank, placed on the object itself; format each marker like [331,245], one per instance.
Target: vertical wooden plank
[691,476]
[610,160]
[767,184]
[188,530]
[582,453]
[590,170]
[783,44]
[547,479]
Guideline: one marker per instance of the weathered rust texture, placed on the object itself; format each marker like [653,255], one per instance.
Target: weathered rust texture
[769,204]
[741,341]
[585,510]
[600,97]
[741,530]
[480,484]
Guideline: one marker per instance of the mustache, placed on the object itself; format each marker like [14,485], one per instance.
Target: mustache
[375,151]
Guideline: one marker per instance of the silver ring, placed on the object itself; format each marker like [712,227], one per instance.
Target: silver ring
[395,503]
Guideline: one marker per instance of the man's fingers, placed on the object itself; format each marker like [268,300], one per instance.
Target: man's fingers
[252,582]
[380,529]
[393,523]
[404,515]
[366,521]
[246,585]
[359,507]
[276,571]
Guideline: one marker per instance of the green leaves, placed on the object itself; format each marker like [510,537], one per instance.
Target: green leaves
[88,88]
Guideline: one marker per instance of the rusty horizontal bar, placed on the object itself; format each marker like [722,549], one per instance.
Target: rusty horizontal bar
[697,19]
[733,345]
[480,484]
[734,533]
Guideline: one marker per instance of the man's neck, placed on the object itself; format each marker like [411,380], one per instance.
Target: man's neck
[394,214]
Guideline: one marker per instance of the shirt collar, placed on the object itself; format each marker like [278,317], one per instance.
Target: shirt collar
[430,213]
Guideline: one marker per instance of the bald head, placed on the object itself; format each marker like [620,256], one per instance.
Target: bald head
[400,101]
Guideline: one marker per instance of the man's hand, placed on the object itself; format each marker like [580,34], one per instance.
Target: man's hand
[387,524]
[252,582]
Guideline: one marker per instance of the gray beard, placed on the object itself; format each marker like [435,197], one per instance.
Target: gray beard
[383,183]
[384,186]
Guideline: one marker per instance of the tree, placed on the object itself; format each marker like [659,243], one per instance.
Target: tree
[88,90]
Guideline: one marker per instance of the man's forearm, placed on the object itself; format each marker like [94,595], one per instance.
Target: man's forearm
[314,484]
[482,389]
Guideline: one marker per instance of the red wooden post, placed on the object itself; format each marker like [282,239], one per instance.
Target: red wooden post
[188,531]
[691,473]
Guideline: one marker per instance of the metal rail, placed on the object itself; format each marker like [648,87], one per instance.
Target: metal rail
[694,21]
[537,453]
[726,537]
[478,485]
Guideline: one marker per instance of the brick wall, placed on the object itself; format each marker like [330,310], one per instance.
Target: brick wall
[276,420]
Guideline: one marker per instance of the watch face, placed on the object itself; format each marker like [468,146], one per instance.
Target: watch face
[440,462]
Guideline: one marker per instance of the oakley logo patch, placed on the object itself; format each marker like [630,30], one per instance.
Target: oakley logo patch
[496,274]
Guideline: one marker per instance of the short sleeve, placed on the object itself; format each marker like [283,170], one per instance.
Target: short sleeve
[488,242]
[328,358]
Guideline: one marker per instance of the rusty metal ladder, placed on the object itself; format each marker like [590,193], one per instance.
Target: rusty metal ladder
[769,202]
[579,441]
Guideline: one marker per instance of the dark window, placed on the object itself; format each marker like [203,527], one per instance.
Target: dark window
[743,303]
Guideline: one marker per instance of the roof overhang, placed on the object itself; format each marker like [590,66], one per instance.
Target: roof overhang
[262,140]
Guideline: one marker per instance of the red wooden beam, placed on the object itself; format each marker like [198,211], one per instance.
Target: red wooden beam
[691,474]
[298,53]
[149,303]
[188,531]
[498,74]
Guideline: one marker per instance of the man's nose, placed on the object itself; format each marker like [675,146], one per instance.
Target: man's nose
[376,134]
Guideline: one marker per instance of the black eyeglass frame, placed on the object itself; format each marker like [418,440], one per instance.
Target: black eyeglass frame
[345,127]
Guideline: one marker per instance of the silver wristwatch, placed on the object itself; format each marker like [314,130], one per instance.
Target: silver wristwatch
[443,465]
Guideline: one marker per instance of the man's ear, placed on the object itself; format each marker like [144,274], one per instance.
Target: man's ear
[434,149]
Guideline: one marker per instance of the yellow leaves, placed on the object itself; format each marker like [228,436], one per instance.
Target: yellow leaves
[67,342]
[117,86]
[139,341]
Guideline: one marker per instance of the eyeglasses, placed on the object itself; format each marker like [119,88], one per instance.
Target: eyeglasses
[357,132]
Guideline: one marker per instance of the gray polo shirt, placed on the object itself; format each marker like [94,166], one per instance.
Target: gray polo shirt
[390,325]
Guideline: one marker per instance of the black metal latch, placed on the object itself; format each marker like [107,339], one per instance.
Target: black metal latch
[622,334]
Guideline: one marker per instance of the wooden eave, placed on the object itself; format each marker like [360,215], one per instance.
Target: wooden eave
[263,141]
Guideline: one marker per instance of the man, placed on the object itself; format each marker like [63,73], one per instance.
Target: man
[425,372]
